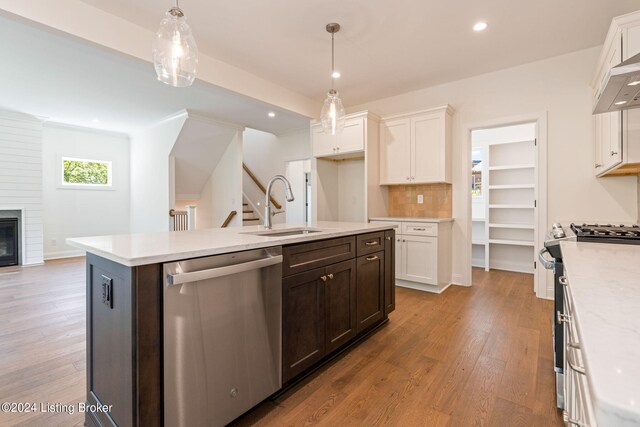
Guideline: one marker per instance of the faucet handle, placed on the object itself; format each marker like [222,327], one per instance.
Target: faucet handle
[274,213]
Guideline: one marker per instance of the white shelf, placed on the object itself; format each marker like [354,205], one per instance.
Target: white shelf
[511,242]
[511,207]
[511,167]
[513,142]
[479,242]
[511,187]
[520,226]
[479,219]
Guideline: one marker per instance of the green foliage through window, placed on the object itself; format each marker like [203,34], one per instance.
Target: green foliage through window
[85,172]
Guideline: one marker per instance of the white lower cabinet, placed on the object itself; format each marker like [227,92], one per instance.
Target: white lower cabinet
[578,405]
[419,257]
[423,254]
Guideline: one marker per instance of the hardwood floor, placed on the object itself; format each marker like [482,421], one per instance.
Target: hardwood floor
[469,357]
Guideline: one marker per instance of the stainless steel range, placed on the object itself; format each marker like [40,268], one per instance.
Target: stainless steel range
[596,233]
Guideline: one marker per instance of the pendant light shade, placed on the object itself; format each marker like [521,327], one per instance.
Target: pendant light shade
[332,115]
[175,54]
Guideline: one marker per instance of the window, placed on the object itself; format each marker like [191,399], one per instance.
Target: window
[83,172]
[476,178]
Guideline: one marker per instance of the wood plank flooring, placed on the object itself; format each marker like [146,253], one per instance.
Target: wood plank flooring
[479,356]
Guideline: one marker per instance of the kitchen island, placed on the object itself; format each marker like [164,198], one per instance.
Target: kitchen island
[602,296]
[155,326]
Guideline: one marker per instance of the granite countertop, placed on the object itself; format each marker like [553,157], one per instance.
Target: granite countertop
[604,286]
[150,248]
[406,219]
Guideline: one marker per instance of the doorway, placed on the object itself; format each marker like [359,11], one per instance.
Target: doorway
[504,198]
[298,172]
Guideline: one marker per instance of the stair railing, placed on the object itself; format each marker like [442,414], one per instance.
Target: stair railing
[260,186]
[183,220]
[229,218]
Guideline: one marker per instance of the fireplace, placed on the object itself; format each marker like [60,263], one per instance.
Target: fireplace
[9,247]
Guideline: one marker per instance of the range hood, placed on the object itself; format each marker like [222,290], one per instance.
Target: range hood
[621,87]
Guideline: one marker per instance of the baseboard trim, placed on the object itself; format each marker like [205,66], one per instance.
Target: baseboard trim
[434,289]
[73,253]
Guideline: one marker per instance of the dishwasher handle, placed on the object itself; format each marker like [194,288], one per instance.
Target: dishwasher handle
[194,276]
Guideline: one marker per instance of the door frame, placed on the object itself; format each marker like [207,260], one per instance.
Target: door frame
[541,276]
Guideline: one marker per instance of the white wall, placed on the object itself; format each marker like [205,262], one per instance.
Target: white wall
[152,174]
[70,212]
[266,155]
[295,173]
[21,178]
[559,86]
[223,191]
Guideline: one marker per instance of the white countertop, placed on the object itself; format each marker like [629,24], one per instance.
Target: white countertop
[604,283]
[150,248]
[406,219]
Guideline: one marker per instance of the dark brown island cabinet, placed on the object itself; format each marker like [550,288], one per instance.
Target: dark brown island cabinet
[334,292]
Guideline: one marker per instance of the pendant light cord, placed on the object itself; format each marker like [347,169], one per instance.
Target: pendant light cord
[333,68]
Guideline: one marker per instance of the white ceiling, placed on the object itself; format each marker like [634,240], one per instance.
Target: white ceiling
[71,81]
[384,48]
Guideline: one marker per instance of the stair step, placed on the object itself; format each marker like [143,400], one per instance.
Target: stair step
[251,219]
[247,211]
[245,204]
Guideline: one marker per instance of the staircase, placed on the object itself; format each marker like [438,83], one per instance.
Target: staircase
[249,216]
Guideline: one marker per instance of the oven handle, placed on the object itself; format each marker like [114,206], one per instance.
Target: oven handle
[548,264]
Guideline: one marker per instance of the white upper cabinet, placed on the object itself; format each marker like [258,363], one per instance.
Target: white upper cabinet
[415,148]
[351,140]
[616,139]
[395,151]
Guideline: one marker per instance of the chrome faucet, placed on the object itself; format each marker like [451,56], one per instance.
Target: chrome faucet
[267,202]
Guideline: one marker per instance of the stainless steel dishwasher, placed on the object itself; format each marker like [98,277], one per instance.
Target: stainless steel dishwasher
[222,336]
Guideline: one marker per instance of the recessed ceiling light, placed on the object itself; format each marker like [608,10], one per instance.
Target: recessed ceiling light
[634,83]
[480,26]
[620,102]
[95,120]
[271,114]
[336,74]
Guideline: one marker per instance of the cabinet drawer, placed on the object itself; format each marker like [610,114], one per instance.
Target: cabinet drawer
[420,229]
[307,256]
[370,243]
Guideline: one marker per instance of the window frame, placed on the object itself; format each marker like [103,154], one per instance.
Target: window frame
[81,186]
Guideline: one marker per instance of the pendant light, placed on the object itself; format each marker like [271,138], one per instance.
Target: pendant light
[332,115]
[175,54]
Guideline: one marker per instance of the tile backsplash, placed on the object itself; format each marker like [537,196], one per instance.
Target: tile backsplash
[403,201]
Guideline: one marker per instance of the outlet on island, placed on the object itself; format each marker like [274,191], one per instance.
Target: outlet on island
[420,199]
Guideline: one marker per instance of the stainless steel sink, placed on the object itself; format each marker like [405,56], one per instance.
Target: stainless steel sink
[286,232]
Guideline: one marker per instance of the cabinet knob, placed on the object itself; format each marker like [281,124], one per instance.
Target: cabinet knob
[408,178]
[614,153]
[388,237]
[598,165]
[372,258]
[330,275]
[323,278]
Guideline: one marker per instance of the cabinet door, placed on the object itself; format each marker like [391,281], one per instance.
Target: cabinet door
[395,151]
[370,290]
[419,259]
[323,143]
[398,253]
[428,148]
[597,147]
[389,272]
[352,137]
[302,322]
[340,304]
[612,122]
